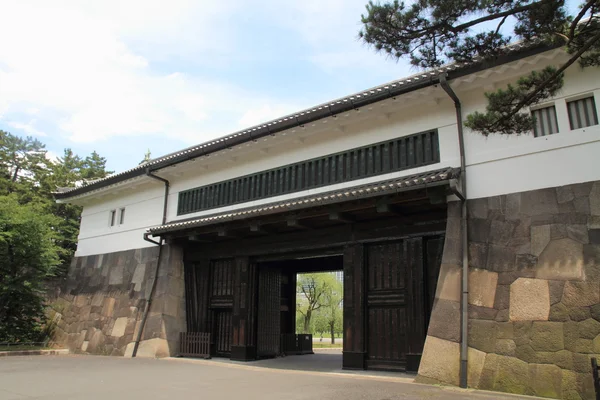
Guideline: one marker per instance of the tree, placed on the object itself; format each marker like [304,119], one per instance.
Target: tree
[312,289]
[22,160]
[28,256]
[94,167]
[332,310]
[433,32]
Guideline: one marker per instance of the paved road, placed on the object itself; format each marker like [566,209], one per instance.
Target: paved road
[115,378]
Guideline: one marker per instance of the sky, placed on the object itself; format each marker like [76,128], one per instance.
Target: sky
[124,76]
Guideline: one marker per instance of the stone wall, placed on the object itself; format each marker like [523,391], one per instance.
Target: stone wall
[99,308]
[534,295]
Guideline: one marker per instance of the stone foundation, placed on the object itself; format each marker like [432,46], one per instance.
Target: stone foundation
[534,294]
[100,306]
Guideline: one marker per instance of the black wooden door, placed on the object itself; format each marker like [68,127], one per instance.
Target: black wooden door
[269,314]
[395,299]
[223,332]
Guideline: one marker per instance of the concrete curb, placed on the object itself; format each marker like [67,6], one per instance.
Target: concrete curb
[56,352]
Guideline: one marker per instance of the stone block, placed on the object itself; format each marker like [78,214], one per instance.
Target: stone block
[582,205]
[537,202]
[581,294]
[512,375]
[452,252]
[502,299]
[478,254]
[595,199]
[564,194]
[84,346]
[478,208]
[596,345]
[526,353]
[478,230]
[578,233]
[486,313]
[482,335]
[562,259]
[581,363]
[440,360]
[482,287]
[502,316]
[500,259]
[595,311]
[558,231]
[545,380]
[593,222]
[591,259]
[98,299]
[505,347]
[501,232]
[154,348]
[594,236]
[588,329]
[562,358]
[566,208]
[558,313]
[449,283]
[138,277]
[116,275]
[108,307]
[584,346]
[579,313]
[504,330]
[571,334]
[556,291]
[445,320]
[525,261]
[118,329]
[547,336]
[540,237]
[529,300]
[475,366]
[96,343]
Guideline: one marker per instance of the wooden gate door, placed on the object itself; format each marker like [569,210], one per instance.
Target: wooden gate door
[223,332]
[395,303]
[221,305]
[269,314]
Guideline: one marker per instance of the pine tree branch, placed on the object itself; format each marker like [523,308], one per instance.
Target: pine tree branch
[548,80]
[575,22]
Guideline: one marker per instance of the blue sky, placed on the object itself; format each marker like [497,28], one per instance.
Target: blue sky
[124,76]
[120,77]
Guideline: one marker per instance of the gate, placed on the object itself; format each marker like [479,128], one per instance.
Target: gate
[269,314]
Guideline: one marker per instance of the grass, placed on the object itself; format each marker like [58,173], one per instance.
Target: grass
[326,345]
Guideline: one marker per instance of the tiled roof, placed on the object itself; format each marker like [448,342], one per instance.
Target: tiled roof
[425,179]
[360,99]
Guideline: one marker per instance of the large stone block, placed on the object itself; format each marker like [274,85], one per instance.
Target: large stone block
[545,380]
[116,275]
[579,233]
[540,237]
[559,313]
[562,259]
[581,294]
[506,347]
[445,320]
[529,300]
[449,283]
[588,329]
[539,202]
[118,329]
[595,199]
[482,287]
[547,336]
[502,300]
[478,208]
[562,358]
[475,367]
[512,375]
[440,360]
[152,348]
[564,194]
[501,232]
[500,259]
[478,254]
[138,277]
[556,291]
[482,335]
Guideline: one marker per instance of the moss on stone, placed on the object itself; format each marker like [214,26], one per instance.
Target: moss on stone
[558,313]
[588,329]
[504,330]
[547,336]
[563,358]
[512,375]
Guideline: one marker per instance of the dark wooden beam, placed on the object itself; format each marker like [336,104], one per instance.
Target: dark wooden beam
[341,217]
[196,238]
[294,223]
[222,232]
[258,228]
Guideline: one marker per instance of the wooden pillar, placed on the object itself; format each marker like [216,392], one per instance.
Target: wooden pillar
[354,308]
[244,310]
[416,331]
[197,278]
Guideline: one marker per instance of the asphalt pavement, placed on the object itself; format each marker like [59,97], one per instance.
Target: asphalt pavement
[115,378]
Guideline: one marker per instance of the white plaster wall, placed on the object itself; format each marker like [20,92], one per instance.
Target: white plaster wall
[501,164]
[495,165]
[143,208]
[403,122]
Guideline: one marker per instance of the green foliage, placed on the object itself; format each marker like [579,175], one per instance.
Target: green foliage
[431,33]
[318,308]
[38,237]
[28,256]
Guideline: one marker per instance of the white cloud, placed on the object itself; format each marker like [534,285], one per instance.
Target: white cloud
[28,128]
